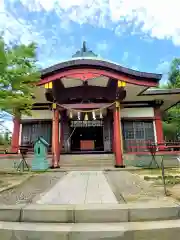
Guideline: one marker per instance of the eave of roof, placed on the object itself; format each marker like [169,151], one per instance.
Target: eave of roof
[153,91]
[98,63]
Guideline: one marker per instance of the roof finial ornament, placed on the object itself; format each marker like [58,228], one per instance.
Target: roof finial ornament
[84,48]
[84,52]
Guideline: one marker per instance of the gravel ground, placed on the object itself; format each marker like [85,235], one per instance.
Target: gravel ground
[131,187]
[30,189]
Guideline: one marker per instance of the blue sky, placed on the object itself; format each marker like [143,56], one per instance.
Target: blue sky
[139,34]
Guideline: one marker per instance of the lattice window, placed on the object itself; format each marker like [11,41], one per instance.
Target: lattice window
[31,131]
[136,134]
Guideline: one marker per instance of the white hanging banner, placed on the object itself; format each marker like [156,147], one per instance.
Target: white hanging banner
[93,123]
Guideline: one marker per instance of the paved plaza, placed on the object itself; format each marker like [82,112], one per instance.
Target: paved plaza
[79,187]
[82,186]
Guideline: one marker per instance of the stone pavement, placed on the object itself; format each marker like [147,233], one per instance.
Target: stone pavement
[28,191]
[132,188]
[80,187]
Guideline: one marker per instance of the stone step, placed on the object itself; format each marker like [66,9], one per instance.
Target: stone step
[68,157]
[85,160]
[72,158]
[156,230]
[86,166]
[91,213]
[79,157]
[98,162]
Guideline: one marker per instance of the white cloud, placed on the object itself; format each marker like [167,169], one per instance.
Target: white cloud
[2,5]
[163,67]
[158,19]
[5,122]
[7,125]
[17,29]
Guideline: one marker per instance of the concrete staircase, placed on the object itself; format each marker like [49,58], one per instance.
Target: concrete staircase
[81,161]
[67,161]
[152,221]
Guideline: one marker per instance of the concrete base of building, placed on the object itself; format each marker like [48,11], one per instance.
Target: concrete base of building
[97,161]
[119,166]
[52,167]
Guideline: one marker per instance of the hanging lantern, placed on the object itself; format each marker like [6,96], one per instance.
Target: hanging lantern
[93,115]
[70,114]
[100,114]
[54,106]
[48,85]
[79,116]
[120,91]
[86,117]
[121,84]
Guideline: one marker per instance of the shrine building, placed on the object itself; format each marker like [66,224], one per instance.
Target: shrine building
[89,105]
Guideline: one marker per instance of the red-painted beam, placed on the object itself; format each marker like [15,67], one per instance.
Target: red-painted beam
[85,105]
[85,73]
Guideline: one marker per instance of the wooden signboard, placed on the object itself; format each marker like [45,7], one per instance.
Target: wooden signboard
[94,123]
[87,145]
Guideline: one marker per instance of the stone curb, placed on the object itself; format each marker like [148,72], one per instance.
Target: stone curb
[122,169]
[122,231]
[89,213]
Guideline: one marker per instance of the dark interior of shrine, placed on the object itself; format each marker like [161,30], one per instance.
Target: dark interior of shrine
[85,139]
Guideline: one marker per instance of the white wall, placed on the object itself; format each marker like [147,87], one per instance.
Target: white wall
[20,133]
[137,112]
[155,133]
[39,114]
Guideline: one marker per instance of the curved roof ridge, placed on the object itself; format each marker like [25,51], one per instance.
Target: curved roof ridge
[101,63]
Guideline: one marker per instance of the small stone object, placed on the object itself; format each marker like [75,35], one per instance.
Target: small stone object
[40,161]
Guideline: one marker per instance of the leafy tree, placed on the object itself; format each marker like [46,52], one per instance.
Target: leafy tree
[174,74]
[5,138]
[170,131]
[18,77]
[171,123]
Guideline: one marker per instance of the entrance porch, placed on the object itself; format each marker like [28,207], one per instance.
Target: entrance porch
[87,139]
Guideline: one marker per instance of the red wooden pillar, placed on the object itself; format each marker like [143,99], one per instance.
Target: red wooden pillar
[62,131]
[60,139]
[15,135]
[113,140]
[55,137]
[158,126]
[117,137]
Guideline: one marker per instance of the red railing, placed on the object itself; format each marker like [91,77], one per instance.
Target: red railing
[130,146]
[141,146]
[29,149]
